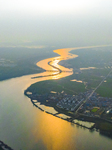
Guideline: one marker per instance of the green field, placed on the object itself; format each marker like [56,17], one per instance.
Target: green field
[60,85]
[94,110]
[106,88]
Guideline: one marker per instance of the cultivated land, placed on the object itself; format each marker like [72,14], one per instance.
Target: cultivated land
[101,61]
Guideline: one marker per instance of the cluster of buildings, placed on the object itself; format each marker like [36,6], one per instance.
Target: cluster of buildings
[67,102]
[92,106]
[97,106]
[87,103]
[70,103]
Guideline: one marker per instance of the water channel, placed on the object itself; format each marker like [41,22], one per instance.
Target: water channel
[23,126]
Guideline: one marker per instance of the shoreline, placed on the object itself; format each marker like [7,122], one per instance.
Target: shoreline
[80,117]
[71,119]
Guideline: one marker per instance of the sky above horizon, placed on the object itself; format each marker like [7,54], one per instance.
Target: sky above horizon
[56,6]
[60,22]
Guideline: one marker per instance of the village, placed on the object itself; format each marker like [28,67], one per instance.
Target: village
[94,106]
[91,106]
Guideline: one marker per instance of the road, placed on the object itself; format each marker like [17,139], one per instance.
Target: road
[93,91]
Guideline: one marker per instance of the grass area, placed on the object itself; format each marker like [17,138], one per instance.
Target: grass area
[101,58]
[94,110]
[93,78]
[70,87]
[105,89]
[58,86]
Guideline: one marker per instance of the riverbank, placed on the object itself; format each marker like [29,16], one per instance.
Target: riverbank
[100,124]
[70,117]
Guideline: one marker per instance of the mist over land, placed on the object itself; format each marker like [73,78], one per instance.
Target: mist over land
[60,24]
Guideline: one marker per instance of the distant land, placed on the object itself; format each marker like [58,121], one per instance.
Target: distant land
[16,62]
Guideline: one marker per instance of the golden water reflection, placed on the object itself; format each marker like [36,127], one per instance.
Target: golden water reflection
[53,69]
[88,68]
[77,80]
[54,132]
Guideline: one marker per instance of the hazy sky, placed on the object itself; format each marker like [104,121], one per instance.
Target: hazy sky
[54,6]
[60,22]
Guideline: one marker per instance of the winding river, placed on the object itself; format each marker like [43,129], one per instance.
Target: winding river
[23,126]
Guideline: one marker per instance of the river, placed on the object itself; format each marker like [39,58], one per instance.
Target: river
[23,126]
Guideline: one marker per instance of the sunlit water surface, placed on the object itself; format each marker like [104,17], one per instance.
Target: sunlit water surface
[23,126]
